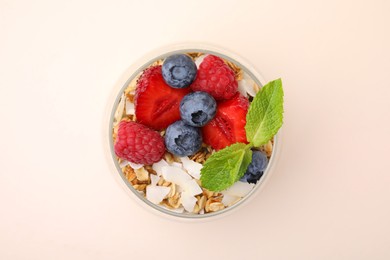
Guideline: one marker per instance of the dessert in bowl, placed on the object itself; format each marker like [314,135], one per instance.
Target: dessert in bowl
[193,132]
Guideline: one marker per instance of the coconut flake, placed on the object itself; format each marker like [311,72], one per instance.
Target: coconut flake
[199,60]
[142,174]
[182,179]
[247,86]
[157,167]
[154,179]
[123,163]
[135,166]
[176,164]
[175,175]
[119,110]
[188,201]
[229,200]
[156,194]
[130,109]
[242,87]
[239,189]
[193,168]
[191,187]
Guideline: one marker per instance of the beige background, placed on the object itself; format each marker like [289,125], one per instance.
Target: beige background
[329,197]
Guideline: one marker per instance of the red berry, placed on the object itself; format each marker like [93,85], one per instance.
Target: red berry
[156,103]
[215,78]
[228,125]
[138,144]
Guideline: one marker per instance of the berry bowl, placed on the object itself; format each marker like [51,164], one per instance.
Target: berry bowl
[193,131]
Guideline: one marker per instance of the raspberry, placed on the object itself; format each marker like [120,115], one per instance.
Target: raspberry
[138,144]
[215,78]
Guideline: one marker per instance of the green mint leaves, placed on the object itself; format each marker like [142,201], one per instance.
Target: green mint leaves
[264,119]
[226,167]
[265,115]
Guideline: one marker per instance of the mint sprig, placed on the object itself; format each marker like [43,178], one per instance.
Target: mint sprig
[264,119]
[265,114]
[226,167]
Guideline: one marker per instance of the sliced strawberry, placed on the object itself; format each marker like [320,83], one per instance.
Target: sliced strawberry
[228,125]
[156,103]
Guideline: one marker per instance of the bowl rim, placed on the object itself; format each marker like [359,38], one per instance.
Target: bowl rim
[130,74]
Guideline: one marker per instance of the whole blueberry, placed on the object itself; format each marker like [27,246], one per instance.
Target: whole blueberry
[182,139]
[179,70]
[197,108]
[256,168]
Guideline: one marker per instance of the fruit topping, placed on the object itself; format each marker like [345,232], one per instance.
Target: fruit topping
[215,78]
[182,139]
[228,125]
[256,168]
[197,108]
[138,144]
[179,71]
[157,104]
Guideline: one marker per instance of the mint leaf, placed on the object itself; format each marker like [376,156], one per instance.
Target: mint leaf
[265,115]
[225,167]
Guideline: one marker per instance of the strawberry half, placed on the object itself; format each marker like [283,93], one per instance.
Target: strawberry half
[228,125]
[156,103]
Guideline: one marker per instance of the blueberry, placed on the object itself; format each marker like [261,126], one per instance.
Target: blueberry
[197,108]
[182,139]
[179,71]
[256,168]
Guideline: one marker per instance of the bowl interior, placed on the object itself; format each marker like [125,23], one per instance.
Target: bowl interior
[260,183]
